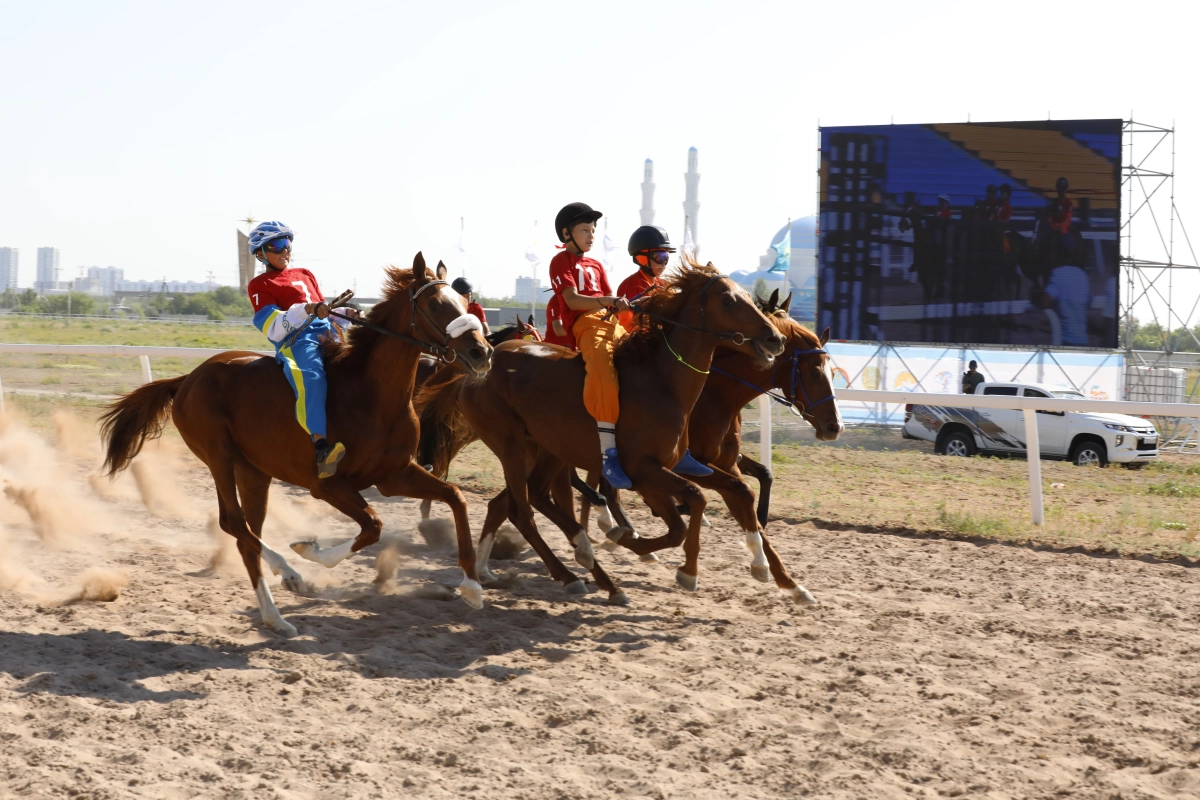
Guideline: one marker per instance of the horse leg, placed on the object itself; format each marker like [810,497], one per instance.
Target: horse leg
[623,525]
[496,514]
[426,507]
[740,501]
[249,545]
[605,519]
[559,511]
[659,487]
[545,476]
[783,579]
[414,481]
[521,515]
[341,495]
[253,485]
[761,472]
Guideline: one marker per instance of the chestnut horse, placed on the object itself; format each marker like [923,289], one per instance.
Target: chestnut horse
[529,411]
[236,413]
[802,378]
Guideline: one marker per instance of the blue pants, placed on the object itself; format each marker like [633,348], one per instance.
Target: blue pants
[305,371]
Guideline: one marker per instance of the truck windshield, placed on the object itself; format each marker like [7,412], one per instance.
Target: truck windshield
[1069,395]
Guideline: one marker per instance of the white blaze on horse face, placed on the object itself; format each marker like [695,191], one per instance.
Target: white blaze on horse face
[464,322]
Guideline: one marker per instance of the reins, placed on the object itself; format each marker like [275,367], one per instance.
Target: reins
[442,352]
[792,404]
[737,337]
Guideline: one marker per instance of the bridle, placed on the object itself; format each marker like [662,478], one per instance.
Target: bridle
[440,351]
[792,402]
[737,337]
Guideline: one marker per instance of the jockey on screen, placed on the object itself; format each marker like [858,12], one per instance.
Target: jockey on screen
[284,299]
[650,248]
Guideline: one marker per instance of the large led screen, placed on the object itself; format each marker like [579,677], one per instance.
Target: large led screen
[985,233]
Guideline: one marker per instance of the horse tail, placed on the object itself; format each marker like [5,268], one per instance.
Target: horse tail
[136,417]
[444,430]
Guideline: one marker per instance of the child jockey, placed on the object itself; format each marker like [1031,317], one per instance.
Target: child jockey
[650,248]
[285,299]
[581,284]
[464,287]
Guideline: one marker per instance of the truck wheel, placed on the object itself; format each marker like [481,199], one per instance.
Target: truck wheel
[1090,454]
[958,444]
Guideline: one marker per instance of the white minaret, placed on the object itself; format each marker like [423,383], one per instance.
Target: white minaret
[648,194]
[691,203]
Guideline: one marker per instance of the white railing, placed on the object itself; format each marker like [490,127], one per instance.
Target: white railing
[1028,405]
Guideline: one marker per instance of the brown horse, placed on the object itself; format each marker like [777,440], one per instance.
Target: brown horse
[235,412]
[529,412]
[802,377]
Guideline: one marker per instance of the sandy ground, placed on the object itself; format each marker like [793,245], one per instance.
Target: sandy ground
[932,668]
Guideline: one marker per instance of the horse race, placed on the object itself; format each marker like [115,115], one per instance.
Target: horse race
[496,461]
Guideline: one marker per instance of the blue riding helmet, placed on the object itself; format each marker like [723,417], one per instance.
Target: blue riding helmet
[265,232]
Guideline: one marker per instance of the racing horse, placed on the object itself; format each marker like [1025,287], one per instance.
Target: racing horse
[428,365]
[235,413]
[802,379]
[661,368]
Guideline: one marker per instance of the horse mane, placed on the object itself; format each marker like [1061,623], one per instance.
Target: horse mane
[501,335]
[666,301]
[360,340]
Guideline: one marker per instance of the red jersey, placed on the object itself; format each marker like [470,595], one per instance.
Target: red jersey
[633,286]
[553,313]
[587,275]
[1060,215]
[1004,212]
[476,310]
[284,289]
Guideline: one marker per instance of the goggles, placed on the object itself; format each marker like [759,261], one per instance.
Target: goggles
[277,246]
[658,256]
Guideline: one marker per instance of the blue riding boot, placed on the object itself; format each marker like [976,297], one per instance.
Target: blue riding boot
[611,469]
[690,466]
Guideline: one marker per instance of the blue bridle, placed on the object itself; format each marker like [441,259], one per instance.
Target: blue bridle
[792,403]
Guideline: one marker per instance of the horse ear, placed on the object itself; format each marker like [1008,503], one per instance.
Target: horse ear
[420,271]
[710,266]
[531,320]
[786,305]
[441,271]
[824,337]
[773,301]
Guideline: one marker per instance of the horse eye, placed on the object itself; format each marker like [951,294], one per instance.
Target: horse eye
[728,300]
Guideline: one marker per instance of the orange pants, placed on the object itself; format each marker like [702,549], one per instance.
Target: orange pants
[596,338]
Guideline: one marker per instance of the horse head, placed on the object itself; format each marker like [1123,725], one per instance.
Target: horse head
[440,316]
[805,376]
[527,330]
[726,312]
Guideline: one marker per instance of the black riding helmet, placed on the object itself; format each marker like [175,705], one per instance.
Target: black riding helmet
[571,215]
[462,286]
[649,237]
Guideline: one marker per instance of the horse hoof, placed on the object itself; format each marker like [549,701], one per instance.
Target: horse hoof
[685,581]
[295,585]
[619,598]
[760,572]
[487,576]
[283,627]
[648,558]
[800,596]
[576,588]
[305,549]
[617,533]
[584,555]
[471,593]
[704,523]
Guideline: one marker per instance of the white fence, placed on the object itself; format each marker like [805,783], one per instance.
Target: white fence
[882,398]
[1028,405]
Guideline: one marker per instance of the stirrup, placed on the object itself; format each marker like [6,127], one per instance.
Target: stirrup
[328,458]
[690,466]
[612,471]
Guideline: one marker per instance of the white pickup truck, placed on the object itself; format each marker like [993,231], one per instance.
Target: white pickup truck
[1080,436]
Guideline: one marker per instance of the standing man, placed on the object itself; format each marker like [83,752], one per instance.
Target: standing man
[971,378]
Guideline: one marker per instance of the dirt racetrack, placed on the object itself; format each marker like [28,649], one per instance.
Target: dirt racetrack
[932,668]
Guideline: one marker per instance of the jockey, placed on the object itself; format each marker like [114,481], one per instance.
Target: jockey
[285,299]
[464,287]
[581,284]
[650,248]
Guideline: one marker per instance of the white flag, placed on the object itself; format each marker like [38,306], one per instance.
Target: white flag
[689,244]
[609,246]
[531,250]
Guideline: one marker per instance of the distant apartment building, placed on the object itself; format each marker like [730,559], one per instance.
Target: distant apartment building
[529,290]
[9,258]
[47,270]
[104,280]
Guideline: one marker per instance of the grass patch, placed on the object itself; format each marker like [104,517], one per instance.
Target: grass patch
[1173,489]
[971,525]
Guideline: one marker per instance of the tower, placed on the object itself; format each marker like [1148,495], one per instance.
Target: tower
[47,269]
[9,258]
[648,194]
[691,203]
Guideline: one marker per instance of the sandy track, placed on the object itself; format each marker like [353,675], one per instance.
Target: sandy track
[932,668]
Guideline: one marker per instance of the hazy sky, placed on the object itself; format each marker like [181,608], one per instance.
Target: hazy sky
[138,134]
